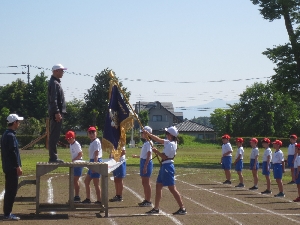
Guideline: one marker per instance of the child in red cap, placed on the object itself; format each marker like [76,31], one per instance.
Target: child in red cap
[226,158]
[292,154]
[76,154]
[254,164]
[267,158]
[278,166]
[239,161]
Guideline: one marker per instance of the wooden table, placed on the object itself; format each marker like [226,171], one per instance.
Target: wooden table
[43,168]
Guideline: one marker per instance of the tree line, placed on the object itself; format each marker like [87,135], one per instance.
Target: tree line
[30,101]
[271,108]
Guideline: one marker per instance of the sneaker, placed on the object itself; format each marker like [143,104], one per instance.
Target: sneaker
[291,182]
[280,194]
[267,192]
[297,199]
[76,199]
[180,212]
[56,161]
[227,182]
[11,217]
[153,211]
[240,185]
[116,199]
[253,188]
[88,201]
[145,203]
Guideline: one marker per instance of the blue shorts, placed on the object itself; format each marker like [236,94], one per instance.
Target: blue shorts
[166,174]
[298,179]
[226,162]
[94,175]
[290,163]
[149,168]
[252,165]
[265,168]
[239,165]
[120,172]
[277,170]
[78,171]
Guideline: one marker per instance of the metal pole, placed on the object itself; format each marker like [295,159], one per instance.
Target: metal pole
[28,74]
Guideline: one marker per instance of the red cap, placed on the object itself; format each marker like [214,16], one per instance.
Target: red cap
[277,142]
[254,140]
[226,136]
[70,134]
[267,140]
[241,140]
[297,145]
[91,129]
[294,136]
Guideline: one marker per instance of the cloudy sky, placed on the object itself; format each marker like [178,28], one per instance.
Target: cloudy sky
[186,52]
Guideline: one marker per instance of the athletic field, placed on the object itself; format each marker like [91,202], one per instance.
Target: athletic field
[198,178]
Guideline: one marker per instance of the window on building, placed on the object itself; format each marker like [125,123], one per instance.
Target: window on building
[156,118]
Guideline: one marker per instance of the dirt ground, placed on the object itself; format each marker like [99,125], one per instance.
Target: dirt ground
[206,199]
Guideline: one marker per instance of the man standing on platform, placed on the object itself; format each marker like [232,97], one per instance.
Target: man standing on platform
[11,165]
[56,110]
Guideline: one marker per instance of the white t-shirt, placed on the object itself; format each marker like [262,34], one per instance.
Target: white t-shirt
[268,152]
[240,151]
[145,149]
[297,161]
[95,145]
[75,148]
[169,150]
[291,149]
[278,157]
[254,153]
[226,148]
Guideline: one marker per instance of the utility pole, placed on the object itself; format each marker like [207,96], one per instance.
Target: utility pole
[28,73]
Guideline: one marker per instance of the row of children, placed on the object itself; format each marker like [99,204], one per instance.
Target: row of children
[95,155]
[165,176]
[275,160]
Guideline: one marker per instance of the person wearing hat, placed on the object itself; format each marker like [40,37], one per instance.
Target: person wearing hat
[95,155]
[56,110]
[76,154]
[239,161]
[266,165]
[146,167]
[226,158]
[167,169]
[254,164]
[297,172]
[11,164]
[292,155]
[278,166]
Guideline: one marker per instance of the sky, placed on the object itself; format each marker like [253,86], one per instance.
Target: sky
[189,52]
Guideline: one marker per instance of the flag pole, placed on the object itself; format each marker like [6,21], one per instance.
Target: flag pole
[135,115]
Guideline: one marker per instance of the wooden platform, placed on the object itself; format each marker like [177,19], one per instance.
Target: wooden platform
[43,168]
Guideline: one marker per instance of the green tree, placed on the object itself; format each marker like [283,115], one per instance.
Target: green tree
[144,117]
[13,97]
[37,97]
[263,111]
[96,100]
[287,56]
[218,120]
[4,112]
[74,118]
[30,126]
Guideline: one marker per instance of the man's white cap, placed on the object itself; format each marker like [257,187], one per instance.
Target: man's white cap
[58,67]
[172,130]
[13,117]
[147,128]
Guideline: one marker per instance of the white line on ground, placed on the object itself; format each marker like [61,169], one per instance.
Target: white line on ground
[208,213]
[241,201]
[176,221]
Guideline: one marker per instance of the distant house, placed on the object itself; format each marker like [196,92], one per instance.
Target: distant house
[161,115]
[195,129]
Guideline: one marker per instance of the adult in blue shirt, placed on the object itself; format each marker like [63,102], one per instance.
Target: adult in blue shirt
[11,164]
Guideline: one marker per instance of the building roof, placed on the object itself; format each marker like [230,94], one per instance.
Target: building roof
[167,105]
[192,126]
